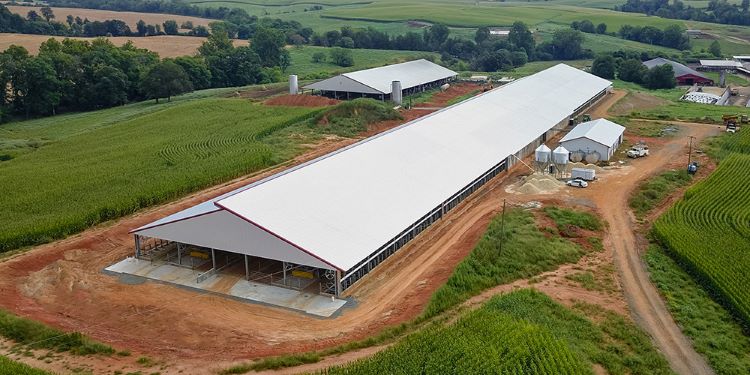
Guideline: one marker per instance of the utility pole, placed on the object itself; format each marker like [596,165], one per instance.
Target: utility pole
[690,149]
[502,227]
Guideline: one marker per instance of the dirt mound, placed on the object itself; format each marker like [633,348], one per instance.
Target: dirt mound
[585,166]
[538,184]
[66,274]
[302,101]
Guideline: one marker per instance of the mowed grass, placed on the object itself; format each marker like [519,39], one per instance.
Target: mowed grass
[523,332]
[70,172]
[8,366]
[305,68]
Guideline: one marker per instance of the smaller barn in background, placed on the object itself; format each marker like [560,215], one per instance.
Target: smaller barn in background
[601,136]
[720,65]
[414,76]
[684,75]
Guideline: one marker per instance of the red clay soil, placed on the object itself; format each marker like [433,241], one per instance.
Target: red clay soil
[302,101]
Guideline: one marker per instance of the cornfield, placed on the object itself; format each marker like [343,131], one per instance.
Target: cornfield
[102,171]
[485,341]
[709,232]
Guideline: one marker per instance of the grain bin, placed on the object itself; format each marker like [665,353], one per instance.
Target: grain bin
[293,85]
[396,93]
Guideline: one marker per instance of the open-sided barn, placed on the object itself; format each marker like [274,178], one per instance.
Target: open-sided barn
[415,76]
[337,217]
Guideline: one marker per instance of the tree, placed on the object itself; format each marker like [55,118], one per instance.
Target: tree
[745,5]
[586,26]
[715,48]
[216,43]
[47,13]
[660,77]
[200,30]
[346,42]
[342,57]
[188,25]
[269,45]
[566,44]
[197,70]
[482,34]
[318,57]
[165,80]
[107,86]
[601,28]
[521,37]
[38,87]
[32,16]
[604,66]
[170,27]
[632,70]
[141,28]
[674,36]
[437,35]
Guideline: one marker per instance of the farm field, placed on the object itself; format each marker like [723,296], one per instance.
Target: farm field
[164,45]
[707,231]
[70,172]
[530,334]
[131,18]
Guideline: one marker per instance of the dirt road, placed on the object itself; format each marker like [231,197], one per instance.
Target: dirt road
[647,307]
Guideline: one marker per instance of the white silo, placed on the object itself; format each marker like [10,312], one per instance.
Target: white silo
[396,92]
[560,157]
[542,157]
[293,85]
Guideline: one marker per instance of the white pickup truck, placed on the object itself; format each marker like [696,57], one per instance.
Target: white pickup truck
[638,151]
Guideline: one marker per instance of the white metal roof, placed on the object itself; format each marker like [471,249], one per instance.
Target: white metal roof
[601,131]
[721,63]
[343,206]
[378,80]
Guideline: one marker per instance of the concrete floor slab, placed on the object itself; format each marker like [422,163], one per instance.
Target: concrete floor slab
[310,303]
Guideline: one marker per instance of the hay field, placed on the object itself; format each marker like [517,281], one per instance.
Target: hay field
[131,18]
[164,45]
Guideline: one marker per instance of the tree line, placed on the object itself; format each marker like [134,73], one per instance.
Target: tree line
[673,36]
[627,66]
[717,11]
[484,53]
[75,75]
[147,6]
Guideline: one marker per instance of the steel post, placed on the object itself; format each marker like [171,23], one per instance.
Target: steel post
[213,259]
[247,268]
[137,245]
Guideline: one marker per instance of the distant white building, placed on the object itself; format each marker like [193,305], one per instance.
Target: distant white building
[601,136]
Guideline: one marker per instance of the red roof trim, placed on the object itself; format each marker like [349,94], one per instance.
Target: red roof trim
[279,237]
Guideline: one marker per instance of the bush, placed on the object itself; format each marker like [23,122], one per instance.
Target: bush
[342,57]
[352,117]
[318,57]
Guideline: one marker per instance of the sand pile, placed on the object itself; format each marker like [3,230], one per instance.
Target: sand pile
[539,184]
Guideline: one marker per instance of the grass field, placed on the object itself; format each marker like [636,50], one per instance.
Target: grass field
[7,366]
[70,172]
[501,256]
[707,230]
[131,18]
[523,332]
[713,330]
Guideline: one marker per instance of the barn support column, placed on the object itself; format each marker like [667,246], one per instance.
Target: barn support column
[213,258]
[283,265]
[247,269]
[338,283]
[137,245]
[179,253]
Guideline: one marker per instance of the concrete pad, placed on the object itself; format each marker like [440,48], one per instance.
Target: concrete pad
[310,303]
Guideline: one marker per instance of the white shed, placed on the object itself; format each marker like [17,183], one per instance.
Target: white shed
[598,136]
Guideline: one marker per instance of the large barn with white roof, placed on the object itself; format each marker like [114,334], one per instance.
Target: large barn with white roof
[414,76]
[330,221]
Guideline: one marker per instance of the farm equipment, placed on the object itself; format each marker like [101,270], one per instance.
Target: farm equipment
[692,168]
[638,151]
[731,122]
